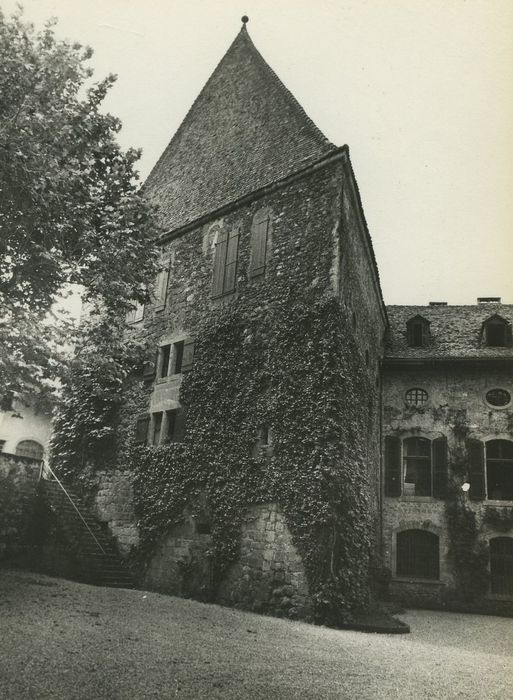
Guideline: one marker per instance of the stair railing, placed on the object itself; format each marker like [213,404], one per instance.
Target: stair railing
[50,470]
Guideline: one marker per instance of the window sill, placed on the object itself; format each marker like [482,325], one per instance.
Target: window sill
[498,504]
[423,581]
[170,378]
[500,596]
[159,307]
[414,499]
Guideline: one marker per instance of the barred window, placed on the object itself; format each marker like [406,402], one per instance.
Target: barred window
[417,554]
[501,565]
[498,397]
[416,397]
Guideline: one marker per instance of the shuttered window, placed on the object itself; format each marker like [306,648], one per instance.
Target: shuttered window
[417,555]
[501,565]
[141,429]
[417,467]
[259,242]
[161,289]
[225,263]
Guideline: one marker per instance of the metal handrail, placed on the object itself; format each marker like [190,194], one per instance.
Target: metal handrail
[47,466]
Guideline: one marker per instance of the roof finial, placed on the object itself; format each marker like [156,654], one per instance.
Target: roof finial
[244,19]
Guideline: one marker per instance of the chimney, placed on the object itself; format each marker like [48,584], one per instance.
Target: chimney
[488,300]
[437,303]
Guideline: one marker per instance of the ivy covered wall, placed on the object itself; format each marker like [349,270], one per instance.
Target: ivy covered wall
[295,352]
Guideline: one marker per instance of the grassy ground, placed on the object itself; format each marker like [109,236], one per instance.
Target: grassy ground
[66,640]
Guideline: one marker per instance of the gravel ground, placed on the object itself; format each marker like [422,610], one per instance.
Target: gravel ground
[66,640]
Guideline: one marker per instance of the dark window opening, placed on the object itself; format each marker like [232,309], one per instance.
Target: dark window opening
[498,397]
[417,332]
[170,430]
[157,428]
[499,470]
[418,479]
[416,397]
[203,528]
[496,336]
[417,555]
[178,357]
[165,354]
[417,335]
[501,565]
[30,448]
[2,445]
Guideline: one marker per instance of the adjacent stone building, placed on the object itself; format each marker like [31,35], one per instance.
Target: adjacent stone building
[448,451]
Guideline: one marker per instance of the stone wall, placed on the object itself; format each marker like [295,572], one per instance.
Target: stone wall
[267,577]
[113,505]
[456,408]
[18,482]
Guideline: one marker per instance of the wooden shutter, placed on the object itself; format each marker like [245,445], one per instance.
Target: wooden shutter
[161,288]
[230,272]
[219,264]
[392,466]
[188,355]
[440,462]
[141,429]
[475,450]
[179,428]
[259,234]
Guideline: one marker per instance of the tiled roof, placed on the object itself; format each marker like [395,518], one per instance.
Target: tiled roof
[455,331]
[244,131]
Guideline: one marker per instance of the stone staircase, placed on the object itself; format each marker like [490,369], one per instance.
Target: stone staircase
[93,550]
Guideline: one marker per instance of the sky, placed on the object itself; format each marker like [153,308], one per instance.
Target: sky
[420,90]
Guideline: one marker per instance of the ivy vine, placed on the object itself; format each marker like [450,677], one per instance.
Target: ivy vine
[299,371]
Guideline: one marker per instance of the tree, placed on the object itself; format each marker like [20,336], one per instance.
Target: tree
[71,210]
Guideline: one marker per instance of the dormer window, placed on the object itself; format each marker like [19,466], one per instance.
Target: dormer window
[418,332]
[496,332]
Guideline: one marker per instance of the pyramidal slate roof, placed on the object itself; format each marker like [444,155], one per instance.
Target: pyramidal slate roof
[455,332]
[244,131]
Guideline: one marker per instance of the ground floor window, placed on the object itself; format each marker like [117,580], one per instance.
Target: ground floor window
[30,448]
[501,565]
[417,555]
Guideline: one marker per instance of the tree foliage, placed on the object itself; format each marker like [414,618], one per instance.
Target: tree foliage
[71,210]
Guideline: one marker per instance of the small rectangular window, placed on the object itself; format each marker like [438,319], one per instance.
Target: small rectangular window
[165,356]
[157,428]
[177,357]
[135,314]
[170,429]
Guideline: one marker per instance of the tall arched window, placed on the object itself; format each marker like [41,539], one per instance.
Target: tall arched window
[30,448]
[501,565]
[417,554]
